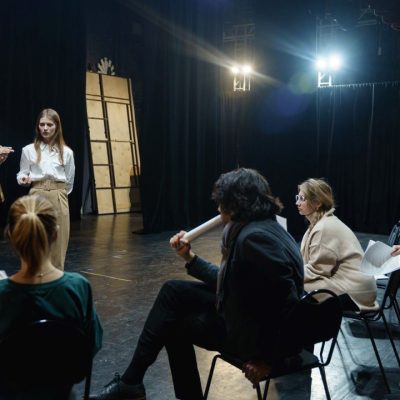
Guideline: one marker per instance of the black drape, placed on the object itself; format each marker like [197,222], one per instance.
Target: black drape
[42,49]
[358,142]
[179,128]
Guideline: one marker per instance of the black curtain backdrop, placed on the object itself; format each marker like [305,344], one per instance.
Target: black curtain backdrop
[358,152]
[42,49]
[179,138]
[193,129]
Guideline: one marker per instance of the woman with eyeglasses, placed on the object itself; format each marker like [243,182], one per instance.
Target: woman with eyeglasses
[331,252]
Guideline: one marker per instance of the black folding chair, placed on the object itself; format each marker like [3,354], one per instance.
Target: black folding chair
[389,301]
[394,238]
[312,322]
[43,360]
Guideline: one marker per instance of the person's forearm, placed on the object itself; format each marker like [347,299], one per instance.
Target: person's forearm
[203,270]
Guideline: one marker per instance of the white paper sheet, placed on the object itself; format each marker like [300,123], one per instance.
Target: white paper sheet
[377,260]
[3,274]
[282,222]
[203,228]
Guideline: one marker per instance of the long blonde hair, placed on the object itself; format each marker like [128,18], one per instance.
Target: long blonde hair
[320,195]
[58,139]
[31,229]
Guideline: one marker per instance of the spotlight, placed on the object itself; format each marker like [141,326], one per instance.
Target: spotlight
[329,63]
[241,77]
[326,66]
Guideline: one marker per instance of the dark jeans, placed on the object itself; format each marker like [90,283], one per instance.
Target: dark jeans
[183,315]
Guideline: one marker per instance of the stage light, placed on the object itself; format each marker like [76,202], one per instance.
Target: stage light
[241,77]
[330,63]
[326,67]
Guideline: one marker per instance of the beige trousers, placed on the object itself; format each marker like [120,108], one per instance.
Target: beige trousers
[56,194]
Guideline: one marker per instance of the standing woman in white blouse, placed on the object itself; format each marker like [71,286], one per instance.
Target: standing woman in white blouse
[47,165]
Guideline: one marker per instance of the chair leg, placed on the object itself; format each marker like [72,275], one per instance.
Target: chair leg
[266,389]
[259,397]
[210,375]
[323,377]
[88,379]
[396,309]
[87,388]
[389,332]
[377,356]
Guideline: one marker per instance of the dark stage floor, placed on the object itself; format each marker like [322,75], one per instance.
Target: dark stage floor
[126,271]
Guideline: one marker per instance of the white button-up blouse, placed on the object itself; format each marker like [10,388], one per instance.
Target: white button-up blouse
[49,167]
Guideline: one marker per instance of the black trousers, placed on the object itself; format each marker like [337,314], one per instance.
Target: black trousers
[183,315]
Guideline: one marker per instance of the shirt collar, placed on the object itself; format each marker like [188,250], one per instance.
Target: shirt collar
[44,146]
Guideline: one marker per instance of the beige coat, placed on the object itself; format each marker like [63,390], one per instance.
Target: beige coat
[332,255]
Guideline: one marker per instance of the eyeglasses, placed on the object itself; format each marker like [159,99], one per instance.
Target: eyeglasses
[301,198]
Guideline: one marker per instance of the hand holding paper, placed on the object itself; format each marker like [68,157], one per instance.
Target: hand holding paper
[203,228]
[378,260]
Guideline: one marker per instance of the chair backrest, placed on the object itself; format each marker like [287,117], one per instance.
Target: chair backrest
[45,352]
[394,236]
[315,320]
[392,287]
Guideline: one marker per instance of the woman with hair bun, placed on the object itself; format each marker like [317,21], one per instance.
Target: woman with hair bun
[47,165]
[38,290]
[332,253]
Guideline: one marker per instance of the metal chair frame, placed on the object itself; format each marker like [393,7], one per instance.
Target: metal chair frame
[320,325]
[389,301]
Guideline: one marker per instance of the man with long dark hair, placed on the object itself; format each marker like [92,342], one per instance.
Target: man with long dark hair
[238,307]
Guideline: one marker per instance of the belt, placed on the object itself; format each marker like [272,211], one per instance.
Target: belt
[48,184]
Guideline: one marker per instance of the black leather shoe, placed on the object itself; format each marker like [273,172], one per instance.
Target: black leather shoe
[118,390]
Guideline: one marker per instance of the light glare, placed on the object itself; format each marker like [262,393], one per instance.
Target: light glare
[321,64]
[335,61]
[331,63]
[247,69]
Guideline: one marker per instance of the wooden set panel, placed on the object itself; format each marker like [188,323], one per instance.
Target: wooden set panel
[114,86]
[113,143]
[92,84]
[99,153]
[123,200]
[104,201]
[118,121]
[122,156]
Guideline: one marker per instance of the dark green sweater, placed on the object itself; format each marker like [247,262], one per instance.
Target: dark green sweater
[67,298]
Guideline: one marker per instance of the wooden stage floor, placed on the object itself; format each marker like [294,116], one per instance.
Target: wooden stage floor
[126,271]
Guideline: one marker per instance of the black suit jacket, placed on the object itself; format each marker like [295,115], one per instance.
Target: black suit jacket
[263,281]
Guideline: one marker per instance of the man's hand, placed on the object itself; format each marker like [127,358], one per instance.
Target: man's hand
[182,246]
[255,371]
